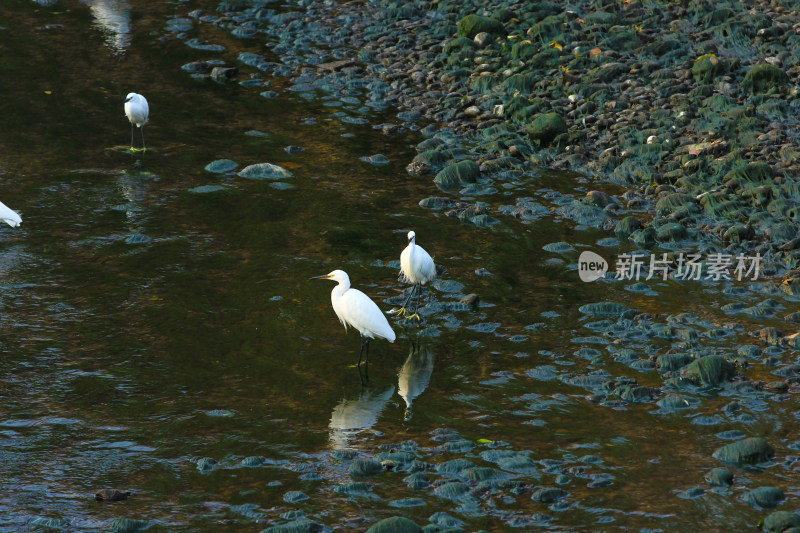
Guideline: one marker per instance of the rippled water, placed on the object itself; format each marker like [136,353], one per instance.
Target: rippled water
[150,323]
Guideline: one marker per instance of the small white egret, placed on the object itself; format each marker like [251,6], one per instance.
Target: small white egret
[354,308]
[8,216]
[417,267]
[137,111]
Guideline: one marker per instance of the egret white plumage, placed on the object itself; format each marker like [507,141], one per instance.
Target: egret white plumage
[354,308]
[417,267]
[9,216]
[137,111]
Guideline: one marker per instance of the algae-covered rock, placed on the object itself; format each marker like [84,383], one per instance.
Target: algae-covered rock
[751,450]
[673,361]
[544,128]
[264,171]
[549,495]
[364,468]
[764,497]
[710,370]
[780,521]
[719,477]
[707,67]
[626,226]
[764,78]
[471,25]
[296,526]
[457,175]
[220,166]
[671,232]
[128,525]
[603,309]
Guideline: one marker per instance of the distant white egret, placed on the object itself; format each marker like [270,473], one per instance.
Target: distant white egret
[417,267]
[137,111]
[8,216]
[354,308]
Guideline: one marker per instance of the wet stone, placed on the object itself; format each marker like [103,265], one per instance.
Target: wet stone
[765,497]
[780,521]
[128,525]
[395,524]
[296,526]
[549,495]
[111,495]
[221,166]
[719,477]
[752,450]
[262,171]
[364,468]
[417,481]
[294,496]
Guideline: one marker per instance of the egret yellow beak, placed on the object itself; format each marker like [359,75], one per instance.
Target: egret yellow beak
[326,276]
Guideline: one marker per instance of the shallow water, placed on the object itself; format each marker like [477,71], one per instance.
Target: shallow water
[147,324]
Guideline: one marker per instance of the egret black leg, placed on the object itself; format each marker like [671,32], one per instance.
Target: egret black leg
[143,146]
[364,351]
[131,136]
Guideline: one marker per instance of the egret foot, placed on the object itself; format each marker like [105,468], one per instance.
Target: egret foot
[414,316]
[399,312]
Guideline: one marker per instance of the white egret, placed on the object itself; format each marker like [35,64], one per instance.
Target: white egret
[417,267]
[8,216]
[137,111]
[354,308]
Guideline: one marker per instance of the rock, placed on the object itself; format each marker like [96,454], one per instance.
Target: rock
[457,175]
[221,166]
[626,226]
[128,525]
[364,468]
[709,371]
[719,477]
[751,450]
[482,39]
[707,67]
[549,495]
[780,521]
[262,171]
[395,524]
[296,526]
[764,497]
[472,25]
[294,496]
[764,78]
[471,300]
[472,111]
[603,309]
[544,128]
[224,74]
[437,202]
[111,495]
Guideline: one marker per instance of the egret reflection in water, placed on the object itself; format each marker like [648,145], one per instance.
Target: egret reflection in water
[351,417]
[415,374]
[113,18]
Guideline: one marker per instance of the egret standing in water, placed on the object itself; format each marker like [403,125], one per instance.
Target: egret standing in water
[354,308]
[137,111]
[416,266]
[8,216]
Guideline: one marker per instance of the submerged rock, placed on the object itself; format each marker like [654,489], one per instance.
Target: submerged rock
[711,370]
[264,171]
[752,450]
[719,477]
[395,524]
[111,495]
[764,497]
[780,521]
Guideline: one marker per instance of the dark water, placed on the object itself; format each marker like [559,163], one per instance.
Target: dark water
[145,326]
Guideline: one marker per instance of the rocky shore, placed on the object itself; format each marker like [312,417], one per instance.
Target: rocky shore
[688,106]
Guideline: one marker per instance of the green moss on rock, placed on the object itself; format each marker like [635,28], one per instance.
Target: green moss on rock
[471,25]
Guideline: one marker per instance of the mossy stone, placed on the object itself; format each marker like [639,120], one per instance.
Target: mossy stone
[707,67]
[472,25]
[780,521]
[751,450]
[764,497]
[626,226]
[719,477]
[364,468]
[764,78]
[544,128]
[710,370]
[457,175]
